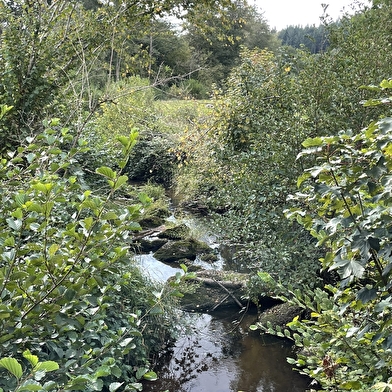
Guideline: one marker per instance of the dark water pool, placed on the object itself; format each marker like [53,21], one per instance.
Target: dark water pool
[219,354]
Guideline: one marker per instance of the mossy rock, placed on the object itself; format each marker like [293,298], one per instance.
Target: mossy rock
[154,217]
[173,251]
[210,257]
[147,245]
[216,290]
[279,315]
[151,221]
[180,232]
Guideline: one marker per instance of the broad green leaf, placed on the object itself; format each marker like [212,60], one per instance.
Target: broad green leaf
[33,359]
[386,83]
[30,385]
[47,366]
[144,198]
[97,385]
[18,213]
[30,157]
[4,109]
[20,199]
[150,376]
[34,207]
[313,142]
[114,386]
[106,172]
[8,256]
[102,371]
[351,385]
[44,188]
[349,268]
[124,140]
[156,309]
[177,293]
[110,215]
[88,222]
[120,182]
[9,241]
[13,366]
[14,224]
[53,249]
[303,178]
[381,387]
[125,342]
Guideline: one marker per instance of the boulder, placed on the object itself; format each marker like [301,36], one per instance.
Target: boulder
[173,251]
[279,315]
[215,289]
[180,232]
[147,245]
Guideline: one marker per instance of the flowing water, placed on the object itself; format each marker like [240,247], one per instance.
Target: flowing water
[218,352]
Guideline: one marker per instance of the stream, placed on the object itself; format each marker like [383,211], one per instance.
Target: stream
[218,355]
[218,352]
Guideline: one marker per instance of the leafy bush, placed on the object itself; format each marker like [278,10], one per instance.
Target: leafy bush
[69,292]
[130,105]
[244,168]
[346,205]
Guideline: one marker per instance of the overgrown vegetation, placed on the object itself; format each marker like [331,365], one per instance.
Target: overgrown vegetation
[76,313]
[273,102]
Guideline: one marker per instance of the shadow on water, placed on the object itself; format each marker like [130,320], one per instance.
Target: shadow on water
[219,354]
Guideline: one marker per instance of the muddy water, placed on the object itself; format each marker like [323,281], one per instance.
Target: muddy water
[220,354]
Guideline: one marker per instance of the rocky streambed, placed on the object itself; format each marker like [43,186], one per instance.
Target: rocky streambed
[217,351]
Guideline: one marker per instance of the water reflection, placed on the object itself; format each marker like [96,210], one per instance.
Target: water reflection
[217,355]
[154,269]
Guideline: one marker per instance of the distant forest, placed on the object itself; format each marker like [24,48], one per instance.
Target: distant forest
[315,39]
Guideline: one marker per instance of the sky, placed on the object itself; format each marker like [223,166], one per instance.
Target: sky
[281,13]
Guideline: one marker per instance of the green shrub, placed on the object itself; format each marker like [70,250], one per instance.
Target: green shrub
[345,202]
[152,160]
[69,292]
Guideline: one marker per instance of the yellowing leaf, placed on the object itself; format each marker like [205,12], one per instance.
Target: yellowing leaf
[33,359]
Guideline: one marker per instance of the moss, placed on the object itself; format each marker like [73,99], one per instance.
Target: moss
[179,232]
[173,251]
[279,315]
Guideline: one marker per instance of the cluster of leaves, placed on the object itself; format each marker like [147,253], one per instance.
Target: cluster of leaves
[68,290]
[94,43]
[346,205]
[271,104]
[247,167]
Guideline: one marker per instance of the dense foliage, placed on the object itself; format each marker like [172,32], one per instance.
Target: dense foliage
[346,199]
[273,102]
[93,43]
[69,291]
[314,38]
[253,152]
[75,311]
